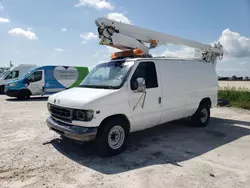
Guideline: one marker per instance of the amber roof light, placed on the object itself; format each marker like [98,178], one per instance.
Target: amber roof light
[127,53]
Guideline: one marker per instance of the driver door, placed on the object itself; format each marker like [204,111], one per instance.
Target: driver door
[145,107]
[36,82]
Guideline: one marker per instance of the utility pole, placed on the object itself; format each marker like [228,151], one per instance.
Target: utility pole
[11,65]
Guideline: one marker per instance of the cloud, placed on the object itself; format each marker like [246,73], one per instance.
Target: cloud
[230,69]
[234,44]
[184,52]
[98,4]
[23,33]
[1,7]
[64,29]
[4,20]
[88,36]
[119,17]
[112,50]
[229,66]
[105,52]
[59,49]
[243,63]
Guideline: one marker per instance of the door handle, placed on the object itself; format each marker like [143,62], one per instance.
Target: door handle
[159,100]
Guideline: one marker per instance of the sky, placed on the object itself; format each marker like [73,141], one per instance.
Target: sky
[56,32]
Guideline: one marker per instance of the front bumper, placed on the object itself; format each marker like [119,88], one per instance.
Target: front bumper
[12,93]
[74,132]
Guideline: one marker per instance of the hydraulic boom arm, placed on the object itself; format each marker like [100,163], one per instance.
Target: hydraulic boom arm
[125,36]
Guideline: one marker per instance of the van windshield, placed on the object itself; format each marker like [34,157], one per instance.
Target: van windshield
[26,75]
[4,74]
[110,75]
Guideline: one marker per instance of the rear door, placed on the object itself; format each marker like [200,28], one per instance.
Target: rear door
[145,107]
[36,82]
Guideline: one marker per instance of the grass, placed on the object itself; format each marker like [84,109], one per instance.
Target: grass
[238,97]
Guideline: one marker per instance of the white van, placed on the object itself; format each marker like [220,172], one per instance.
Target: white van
[13,74]
[132,94]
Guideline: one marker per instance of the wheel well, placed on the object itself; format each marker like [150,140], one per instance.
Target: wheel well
[206,100]
[2,89]
[122,116]
[26,91]
[23,92]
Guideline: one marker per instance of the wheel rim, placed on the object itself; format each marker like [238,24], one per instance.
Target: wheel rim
[204,113]
[116,137]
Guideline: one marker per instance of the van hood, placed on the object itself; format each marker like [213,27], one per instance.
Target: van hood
[4,82]
[13,81]
[78,97]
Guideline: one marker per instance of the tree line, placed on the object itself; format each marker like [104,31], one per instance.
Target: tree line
[235,78]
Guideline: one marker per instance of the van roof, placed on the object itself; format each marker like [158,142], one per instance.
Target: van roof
[26,65]
[40,66]
[157,58]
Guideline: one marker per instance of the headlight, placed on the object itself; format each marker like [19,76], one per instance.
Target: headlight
[84,115]
[89,115]
[80,115]
[12,84]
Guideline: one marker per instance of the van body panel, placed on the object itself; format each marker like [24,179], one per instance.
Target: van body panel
[46,80]
[174,90]
[184,84]
[58,78]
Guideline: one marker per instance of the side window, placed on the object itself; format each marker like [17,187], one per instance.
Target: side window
[147,71]
[36,76]
[12,75]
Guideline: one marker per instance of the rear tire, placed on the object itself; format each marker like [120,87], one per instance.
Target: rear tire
[2,89]
[201,116]
[112,138]
[24,95]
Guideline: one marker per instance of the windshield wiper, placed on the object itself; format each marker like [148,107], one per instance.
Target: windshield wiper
[88,86]
[98,87]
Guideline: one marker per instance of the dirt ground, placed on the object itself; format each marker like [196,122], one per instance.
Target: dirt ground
[170,155]
[237,84]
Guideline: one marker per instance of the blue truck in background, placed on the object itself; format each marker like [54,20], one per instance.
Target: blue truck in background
[46,80]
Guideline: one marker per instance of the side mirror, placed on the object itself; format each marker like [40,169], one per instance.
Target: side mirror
[141,85]
[26,81]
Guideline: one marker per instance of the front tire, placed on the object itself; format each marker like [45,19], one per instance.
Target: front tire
[2,89]
[24,95]
[112,138]
[202,116]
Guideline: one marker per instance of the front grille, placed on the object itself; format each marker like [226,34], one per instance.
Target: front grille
[61,113]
